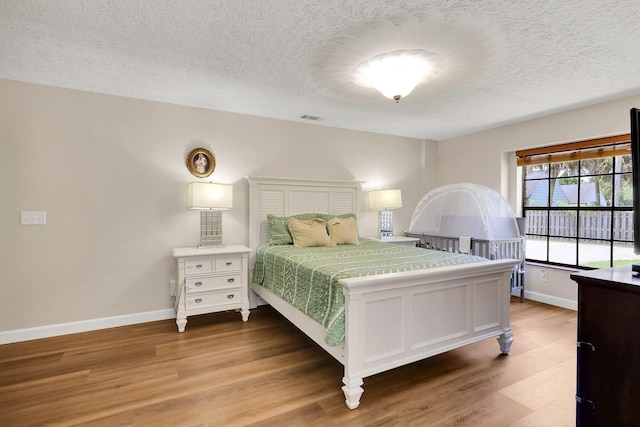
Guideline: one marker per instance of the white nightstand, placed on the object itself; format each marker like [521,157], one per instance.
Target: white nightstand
[399,240]
[211,280]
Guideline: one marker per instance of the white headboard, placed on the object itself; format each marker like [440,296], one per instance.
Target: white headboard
[290,196]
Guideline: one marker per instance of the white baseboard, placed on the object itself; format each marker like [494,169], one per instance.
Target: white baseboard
[27,334]
[551,300]
[38,332]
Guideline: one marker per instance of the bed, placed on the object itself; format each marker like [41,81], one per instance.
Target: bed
[389,319]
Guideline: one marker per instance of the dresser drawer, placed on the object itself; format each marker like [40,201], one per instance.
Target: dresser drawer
[209,299]
[228,263]
[199,284]
[198,266]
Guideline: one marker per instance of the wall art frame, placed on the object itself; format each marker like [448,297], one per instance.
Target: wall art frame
[201,163]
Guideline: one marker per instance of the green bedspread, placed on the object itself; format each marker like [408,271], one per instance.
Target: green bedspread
[308,278]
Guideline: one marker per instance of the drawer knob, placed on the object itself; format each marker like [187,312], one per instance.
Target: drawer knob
[231,280]
[230,296]
[198,284]
[198,300]
[198,265]
[229,263]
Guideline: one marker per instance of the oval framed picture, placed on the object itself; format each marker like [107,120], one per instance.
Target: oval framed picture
[201,162]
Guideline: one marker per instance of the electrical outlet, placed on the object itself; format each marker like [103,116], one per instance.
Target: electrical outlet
[543,276]
[172,288]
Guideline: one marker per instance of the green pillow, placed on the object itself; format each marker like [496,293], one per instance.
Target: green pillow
[279,233]
[329,217]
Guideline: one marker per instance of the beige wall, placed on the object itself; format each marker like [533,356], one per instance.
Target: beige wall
[110,173]
[477,157]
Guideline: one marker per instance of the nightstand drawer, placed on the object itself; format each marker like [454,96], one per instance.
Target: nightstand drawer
[228,263]
[198,266]
[198,284]
[208,299]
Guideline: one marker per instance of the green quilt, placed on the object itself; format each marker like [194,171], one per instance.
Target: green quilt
[308,278]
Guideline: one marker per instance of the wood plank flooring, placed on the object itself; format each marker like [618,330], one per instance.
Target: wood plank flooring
[223,372]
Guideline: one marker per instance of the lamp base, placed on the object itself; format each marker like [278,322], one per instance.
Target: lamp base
[385,224]
[210,228]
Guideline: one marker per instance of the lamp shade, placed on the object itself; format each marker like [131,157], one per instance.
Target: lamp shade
[385,199]
[208,195]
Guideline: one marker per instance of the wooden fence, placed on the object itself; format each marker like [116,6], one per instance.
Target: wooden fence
[593,224]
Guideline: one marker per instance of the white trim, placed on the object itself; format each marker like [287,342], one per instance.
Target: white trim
[548,299]
[47,331]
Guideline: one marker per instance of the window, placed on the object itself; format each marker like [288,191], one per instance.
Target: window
[578,203]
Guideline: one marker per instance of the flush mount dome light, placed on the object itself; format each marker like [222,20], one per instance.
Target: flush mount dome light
[397,73]
[461,46]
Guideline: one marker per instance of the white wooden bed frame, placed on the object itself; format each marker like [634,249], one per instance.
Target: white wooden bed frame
[391,319]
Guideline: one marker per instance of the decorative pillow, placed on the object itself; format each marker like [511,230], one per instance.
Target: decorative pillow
[308,233]
[343,231]
[329,217]
[279,228]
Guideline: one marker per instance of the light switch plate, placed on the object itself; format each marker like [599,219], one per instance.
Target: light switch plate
[33,218]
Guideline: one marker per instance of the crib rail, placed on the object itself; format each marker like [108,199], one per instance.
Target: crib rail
[490,249]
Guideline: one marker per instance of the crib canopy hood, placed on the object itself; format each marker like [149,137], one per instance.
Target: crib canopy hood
[464,209]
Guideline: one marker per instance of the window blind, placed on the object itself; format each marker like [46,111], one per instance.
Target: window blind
[619,145]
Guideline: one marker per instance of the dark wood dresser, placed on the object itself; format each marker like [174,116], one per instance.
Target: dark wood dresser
[608,369]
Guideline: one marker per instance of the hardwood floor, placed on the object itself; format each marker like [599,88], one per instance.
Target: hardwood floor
[223,372]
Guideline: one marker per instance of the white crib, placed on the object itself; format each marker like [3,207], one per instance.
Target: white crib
[473,219]
[490,249]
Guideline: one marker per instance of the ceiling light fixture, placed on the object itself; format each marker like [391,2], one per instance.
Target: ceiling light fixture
[461,47]
[397,73]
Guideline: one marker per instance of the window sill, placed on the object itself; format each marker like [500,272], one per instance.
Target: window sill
[555,267]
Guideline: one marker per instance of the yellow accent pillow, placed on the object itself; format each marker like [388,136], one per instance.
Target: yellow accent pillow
[308,233]
[343,231]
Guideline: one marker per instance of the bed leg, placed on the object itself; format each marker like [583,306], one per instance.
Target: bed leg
[505,340]
[352,391]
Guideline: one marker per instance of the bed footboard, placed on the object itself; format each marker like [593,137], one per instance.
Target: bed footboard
[396,319]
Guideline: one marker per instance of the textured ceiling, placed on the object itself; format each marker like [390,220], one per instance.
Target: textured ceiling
[261,57]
